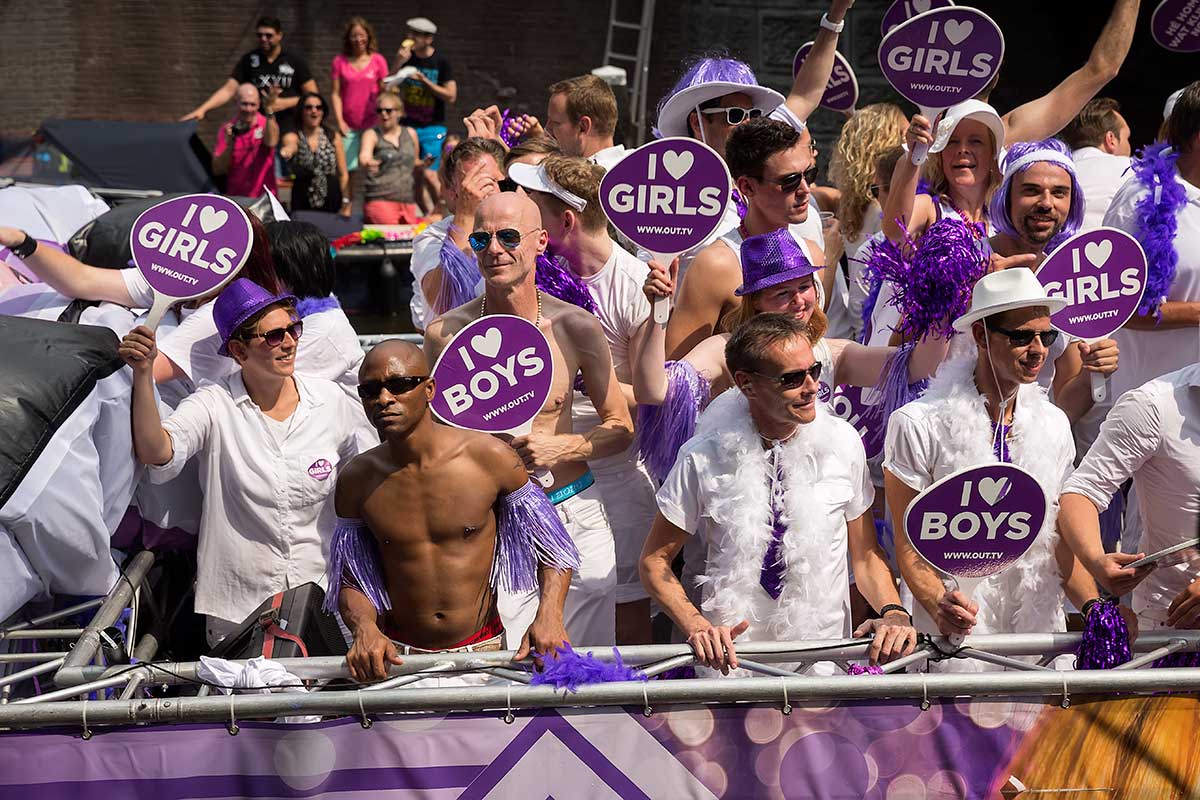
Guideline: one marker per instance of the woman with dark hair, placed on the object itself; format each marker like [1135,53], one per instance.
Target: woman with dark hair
[306,268]
[358,73]
[314,154]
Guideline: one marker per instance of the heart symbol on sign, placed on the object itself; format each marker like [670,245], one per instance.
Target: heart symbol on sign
[921,6]
[211,219]
[678,164]
[1098,252]
[993,489]
[487,344]
[957,31]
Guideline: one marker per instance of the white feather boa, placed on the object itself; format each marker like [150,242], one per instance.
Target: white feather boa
[1028,596]
[738,481]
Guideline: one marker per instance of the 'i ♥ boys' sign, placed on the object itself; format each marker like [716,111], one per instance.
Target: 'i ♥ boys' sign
[841,93]
[493,376]
[189,246]
[1102,275]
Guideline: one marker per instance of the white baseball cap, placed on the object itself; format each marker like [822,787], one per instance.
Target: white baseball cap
[535,178]
[421,25]
[673,118]
[968,109]
[1003,291]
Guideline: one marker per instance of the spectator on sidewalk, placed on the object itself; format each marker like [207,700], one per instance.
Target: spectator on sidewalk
[389,155]
[245,152]
[313,152]
[358,73]
[425,96]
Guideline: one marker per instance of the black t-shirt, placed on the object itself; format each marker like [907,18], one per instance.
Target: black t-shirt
[421,106]
[289,72]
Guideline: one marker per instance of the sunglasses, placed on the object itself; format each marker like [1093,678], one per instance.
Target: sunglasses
[507,185]
[313,108]
[395,386]
[1025,338]
[734,115]
[509,239]
[274,337]
[792,181]
[876,188]
[262,35]
[386,110]
[795,379]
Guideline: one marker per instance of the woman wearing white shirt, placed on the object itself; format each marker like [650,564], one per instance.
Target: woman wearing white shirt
[269,444]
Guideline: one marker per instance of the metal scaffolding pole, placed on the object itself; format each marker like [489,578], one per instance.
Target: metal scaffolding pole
[132,575]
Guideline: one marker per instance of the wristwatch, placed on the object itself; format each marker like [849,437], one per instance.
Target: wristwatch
[26,247]
[836,27]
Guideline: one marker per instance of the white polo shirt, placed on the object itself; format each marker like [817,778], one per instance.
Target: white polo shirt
[268,500]
[1100,175]
[1152,434]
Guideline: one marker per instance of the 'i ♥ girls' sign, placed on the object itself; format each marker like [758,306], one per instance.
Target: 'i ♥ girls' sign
[494,376]
[189,246]
[1102,275]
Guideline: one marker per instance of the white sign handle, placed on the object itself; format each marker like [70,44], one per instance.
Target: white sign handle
[161,304]
[1099,387]
[967,586]
[543,476]
[921,151]
[662,305]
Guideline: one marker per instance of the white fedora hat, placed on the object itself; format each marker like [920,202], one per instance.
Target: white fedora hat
[673,118]
[1003,291]
[968,109]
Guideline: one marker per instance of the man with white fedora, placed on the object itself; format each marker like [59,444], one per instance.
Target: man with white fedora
[981,408]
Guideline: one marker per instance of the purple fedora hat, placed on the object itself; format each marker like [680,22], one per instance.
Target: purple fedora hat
[771,258]
[239,301]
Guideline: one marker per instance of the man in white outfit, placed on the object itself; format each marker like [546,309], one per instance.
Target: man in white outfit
[1099,142]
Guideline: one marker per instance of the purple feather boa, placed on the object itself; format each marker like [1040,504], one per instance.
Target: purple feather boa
[1105,642]
[662,430]
[557,280]
[1158,221]
[460,276]
[570,670]
[529,533]
[933,278]
[307,306]
[354,561]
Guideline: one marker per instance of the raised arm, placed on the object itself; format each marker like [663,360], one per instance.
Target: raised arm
[1047,115]
[903,202]
[217,99]
[809,85]
[69,276]
[151,444]
[707,286]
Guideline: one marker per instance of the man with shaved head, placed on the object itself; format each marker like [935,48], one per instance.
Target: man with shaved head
[421,520]
[507,238]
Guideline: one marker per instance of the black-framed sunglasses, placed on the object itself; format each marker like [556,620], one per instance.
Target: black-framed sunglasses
[791,181]
[1025,338]
[507,185]
[386,110]
[274,337]
[308,107]
[794,379]
[876,188]
[509,238]
[734,115]
[395,386]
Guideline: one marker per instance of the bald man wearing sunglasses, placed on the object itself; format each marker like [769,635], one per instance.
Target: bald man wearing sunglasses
[507,238]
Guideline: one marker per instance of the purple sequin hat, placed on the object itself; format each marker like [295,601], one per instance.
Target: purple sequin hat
[239,301]
[772,258]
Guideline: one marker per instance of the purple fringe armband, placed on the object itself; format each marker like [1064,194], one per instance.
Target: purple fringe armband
[354,561]
[1158,221]
[663,429]
[893,386]
[1105,642]
[529,533]
[460,276]
[571,670]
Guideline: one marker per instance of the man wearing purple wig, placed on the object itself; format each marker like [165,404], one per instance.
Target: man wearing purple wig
[1038,206]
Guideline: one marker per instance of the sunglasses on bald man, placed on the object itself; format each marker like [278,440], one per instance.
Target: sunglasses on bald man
[509,238]
[369,390]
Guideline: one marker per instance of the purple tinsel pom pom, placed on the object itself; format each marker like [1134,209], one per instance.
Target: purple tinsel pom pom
[859,669]
[1189,660]
[933,278]
[557,280]
[1158,221]
[460,276]
[571,670]
[1105,641]
[893,387]
[662,430]
[307,306]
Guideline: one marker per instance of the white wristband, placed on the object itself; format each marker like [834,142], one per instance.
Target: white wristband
[836,27]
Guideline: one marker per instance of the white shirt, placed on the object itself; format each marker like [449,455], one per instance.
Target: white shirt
[268,510]
[138,287]
[1152,434]
[426,257]
[1147,354]
[1100,175]
[609,157]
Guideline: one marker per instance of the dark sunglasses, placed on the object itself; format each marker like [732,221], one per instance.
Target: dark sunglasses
[735,115]
[385,110]
[395,386]
[268,35]
[876,188]
[505,184]
[308,107]
[795,379]
[509,239]
[274,337]
[792,181]
[1025,338]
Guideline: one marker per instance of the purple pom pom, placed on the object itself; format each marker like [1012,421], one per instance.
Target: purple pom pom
[1189,660]
[571,670]
[859,669]
[1105,641]
[460,276]
[1158,221]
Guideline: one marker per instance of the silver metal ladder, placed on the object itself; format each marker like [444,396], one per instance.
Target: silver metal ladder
[640,60]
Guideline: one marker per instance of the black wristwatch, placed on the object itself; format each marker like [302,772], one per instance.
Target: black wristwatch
[895,607]
[25,249]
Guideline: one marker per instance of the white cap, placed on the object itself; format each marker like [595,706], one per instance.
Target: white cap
[1003,291]
[535,178]
[968,109]
[673,118]
[421,25]
[1171,101]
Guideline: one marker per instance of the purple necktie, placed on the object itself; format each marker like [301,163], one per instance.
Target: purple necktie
[771,578]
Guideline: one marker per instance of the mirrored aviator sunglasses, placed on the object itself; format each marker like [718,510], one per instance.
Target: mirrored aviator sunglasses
[395,386]
[509,238]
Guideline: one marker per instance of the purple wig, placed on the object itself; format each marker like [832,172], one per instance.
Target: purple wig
[1059,155]
[707,69]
